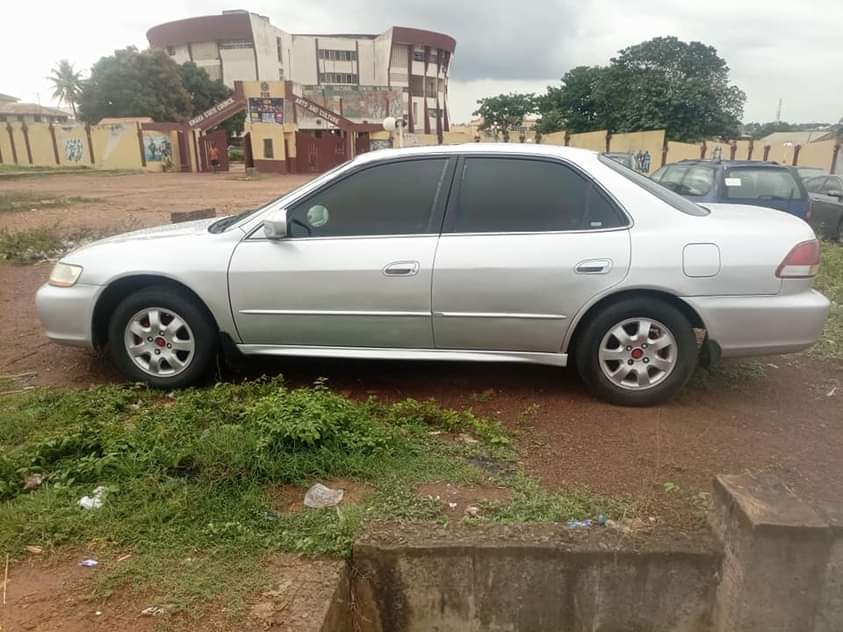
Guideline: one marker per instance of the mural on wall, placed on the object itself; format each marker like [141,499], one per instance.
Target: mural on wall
[73,149]
[379,143]
[157,148]
[642,161]
[266,110]
[370,103]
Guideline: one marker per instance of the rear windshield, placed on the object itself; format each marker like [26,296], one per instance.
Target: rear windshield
[752,183]
[687,179]
[669,197]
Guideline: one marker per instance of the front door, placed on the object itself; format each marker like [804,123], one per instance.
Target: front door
[356,267]
[526,243]
[826,204]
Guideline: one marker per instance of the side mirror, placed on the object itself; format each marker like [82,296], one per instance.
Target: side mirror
[275,224]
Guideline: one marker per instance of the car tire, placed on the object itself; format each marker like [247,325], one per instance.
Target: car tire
[164,337]
[624,365]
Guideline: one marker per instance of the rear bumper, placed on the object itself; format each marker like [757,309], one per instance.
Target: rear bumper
[67,313]
[760,325]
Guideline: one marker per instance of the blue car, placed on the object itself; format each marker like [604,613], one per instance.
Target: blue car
[755,182]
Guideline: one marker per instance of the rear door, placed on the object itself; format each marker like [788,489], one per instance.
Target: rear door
[526,242]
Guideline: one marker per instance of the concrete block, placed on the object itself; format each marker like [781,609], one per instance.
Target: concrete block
[776,550]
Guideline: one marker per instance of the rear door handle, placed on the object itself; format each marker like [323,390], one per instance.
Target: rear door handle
[402,268]
[594,266]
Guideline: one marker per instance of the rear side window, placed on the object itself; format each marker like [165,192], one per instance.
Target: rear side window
[522,195]
[752,183]
[687,179]
[814,185]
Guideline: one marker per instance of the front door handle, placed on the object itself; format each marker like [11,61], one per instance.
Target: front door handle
[593,266]
[402,268]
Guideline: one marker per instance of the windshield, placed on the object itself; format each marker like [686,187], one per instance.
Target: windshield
[669,197]
[753,183]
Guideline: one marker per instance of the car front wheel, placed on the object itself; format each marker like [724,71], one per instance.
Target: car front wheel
[163,337]
[637,352]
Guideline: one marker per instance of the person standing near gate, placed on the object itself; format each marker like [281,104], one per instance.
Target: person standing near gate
[214,156]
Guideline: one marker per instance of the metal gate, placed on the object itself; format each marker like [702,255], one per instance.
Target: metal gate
[317,154]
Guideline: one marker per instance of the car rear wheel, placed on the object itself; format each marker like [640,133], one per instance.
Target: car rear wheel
[163,337]
[637,352]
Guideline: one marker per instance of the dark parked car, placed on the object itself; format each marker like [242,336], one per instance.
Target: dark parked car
[758,183]
[806,173]
[826,193]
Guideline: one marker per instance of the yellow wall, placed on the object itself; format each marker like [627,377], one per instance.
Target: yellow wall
[41,143]
[595,141]
[20,144]
[711,148]
[259,132]
[554,138]
[651,142]
[682,151]
[6,146]
[779,152]
[73,147]
[742,152]
[816,154]
[456,138]
[116,146]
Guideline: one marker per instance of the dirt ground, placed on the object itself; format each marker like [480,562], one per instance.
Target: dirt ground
[57,595]
[782,413]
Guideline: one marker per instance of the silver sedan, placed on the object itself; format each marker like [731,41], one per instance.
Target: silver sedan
[517,253]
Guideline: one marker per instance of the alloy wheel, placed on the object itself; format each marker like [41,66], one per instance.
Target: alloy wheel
[638,353]
[159,342]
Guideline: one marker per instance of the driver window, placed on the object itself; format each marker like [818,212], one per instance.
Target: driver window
[387,199]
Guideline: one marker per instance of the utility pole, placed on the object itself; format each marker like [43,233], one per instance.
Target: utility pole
[779,112]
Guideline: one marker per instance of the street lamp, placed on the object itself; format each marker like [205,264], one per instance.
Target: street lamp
[390,124]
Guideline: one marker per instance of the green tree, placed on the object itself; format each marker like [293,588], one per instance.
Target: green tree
[505,112]
[133,83]
[682,87]
[67,84]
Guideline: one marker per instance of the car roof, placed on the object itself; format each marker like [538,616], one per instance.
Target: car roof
[528,149]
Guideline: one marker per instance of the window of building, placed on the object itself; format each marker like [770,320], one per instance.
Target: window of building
[268,151]
[337,55]
[171,50]
[338,77]
[387,199]
[36,118]
[229,44]
[281,74]
[418,55]
[279,49]
[518,195]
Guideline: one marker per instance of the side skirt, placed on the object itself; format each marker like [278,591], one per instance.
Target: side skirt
[376,353]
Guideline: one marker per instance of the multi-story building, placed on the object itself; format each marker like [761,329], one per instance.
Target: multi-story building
[365,78]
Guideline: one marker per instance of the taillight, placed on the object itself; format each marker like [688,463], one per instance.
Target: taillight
[802,262]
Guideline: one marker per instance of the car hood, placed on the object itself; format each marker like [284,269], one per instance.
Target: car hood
[167,231]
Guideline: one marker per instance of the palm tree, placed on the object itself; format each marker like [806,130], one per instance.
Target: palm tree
[67,84]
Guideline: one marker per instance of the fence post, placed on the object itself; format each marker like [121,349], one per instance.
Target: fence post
[796,150]
[90,143]
[766,152]
[25,129]
[11,133]
[751,147]
[665,149]
[55,144]
[703,148]
[834,158]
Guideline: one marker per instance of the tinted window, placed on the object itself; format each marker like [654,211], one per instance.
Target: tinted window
[751,183]
[657,176]
[388,199]
[832,185]
[517,195]
[672,177]
[814,184]
[666,196]
[697,181]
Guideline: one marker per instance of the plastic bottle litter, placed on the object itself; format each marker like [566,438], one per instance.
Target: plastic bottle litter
[152,611]
[579,524]
[320,496]
[33,481]
[88,563]
[93,501]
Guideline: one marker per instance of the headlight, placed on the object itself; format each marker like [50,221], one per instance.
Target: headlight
[65,275]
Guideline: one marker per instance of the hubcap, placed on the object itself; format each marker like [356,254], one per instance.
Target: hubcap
[159,342]
[638,353]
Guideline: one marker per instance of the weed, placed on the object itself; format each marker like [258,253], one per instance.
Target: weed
[19,201]
[830,283]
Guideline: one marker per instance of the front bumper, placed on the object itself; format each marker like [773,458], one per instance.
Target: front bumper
[67,313]
[760,325]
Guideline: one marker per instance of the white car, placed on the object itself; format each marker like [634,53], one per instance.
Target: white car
[500,252]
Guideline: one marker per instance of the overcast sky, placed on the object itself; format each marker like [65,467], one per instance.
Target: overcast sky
[792,50]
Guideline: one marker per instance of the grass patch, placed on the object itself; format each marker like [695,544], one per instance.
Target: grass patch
[189,476]
[830,283]
[8,171]
[24,201]
[51,242]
